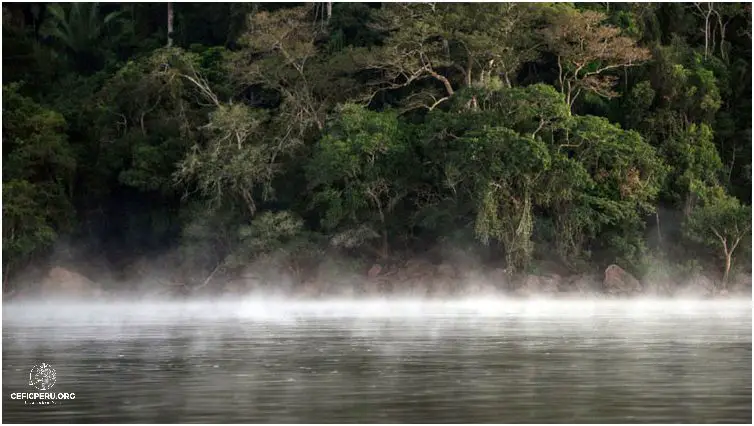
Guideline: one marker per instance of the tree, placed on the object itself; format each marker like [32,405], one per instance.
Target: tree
[695,162]
[706,11]
[277,239]
[721,222]
[38,171]
[170,24]
[359,172]
[281,56]
[407,124]
[717,17]
[454,45]
[604,179]
[484,40]
[493,157]
[586,49]
[78,27]
[507,167]
[574,214]
[235,162]
[148,112]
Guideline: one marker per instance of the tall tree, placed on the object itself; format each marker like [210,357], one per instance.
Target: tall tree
[360,171]
[78,27]
[38,172]
[454,45]
[586,49]
[170,24]
[721,222]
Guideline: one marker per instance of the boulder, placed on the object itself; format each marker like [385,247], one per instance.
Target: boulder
[618,282]
[63,282]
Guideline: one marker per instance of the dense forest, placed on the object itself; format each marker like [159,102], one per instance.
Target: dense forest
[209,137]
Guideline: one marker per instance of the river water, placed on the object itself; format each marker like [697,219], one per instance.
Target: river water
[383,361]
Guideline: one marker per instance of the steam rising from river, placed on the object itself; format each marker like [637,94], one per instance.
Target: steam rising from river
[37,312]
[278,360]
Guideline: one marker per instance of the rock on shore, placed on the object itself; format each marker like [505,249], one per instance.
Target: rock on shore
[64,282]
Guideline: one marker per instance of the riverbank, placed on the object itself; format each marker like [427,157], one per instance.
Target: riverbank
[415,278]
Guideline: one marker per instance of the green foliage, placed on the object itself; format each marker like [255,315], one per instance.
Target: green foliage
[720,223]
[358,170]
[33,217]
[572,209]
[38,169]
[499,169]
[695,162]
[604,180]
[78,27]
[352,25]
[625,169]
[34,141]
[536,110]
[235,162]
[508,167]
[271,131]
[587,50]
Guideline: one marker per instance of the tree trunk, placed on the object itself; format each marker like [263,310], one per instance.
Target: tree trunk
[728,255]
[170,24]
[723,27]
[329,11]
[707,16]
[706,35]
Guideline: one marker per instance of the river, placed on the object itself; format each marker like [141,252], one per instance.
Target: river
[282,361]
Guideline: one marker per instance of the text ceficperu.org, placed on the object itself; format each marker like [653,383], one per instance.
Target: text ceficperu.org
[43,395]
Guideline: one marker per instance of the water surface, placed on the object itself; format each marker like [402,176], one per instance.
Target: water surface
[383,361]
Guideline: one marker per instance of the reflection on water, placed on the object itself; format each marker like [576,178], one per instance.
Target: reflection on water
[473,361]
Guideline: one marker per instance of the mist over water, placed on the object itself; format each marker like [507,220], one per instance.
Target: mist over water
[383,360]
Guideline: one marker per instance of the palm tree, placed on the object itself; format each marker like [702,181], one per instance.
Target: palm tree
[77,27]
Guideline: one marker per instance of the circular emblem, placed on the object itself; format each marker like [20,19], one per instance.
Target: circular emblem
[42,377]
